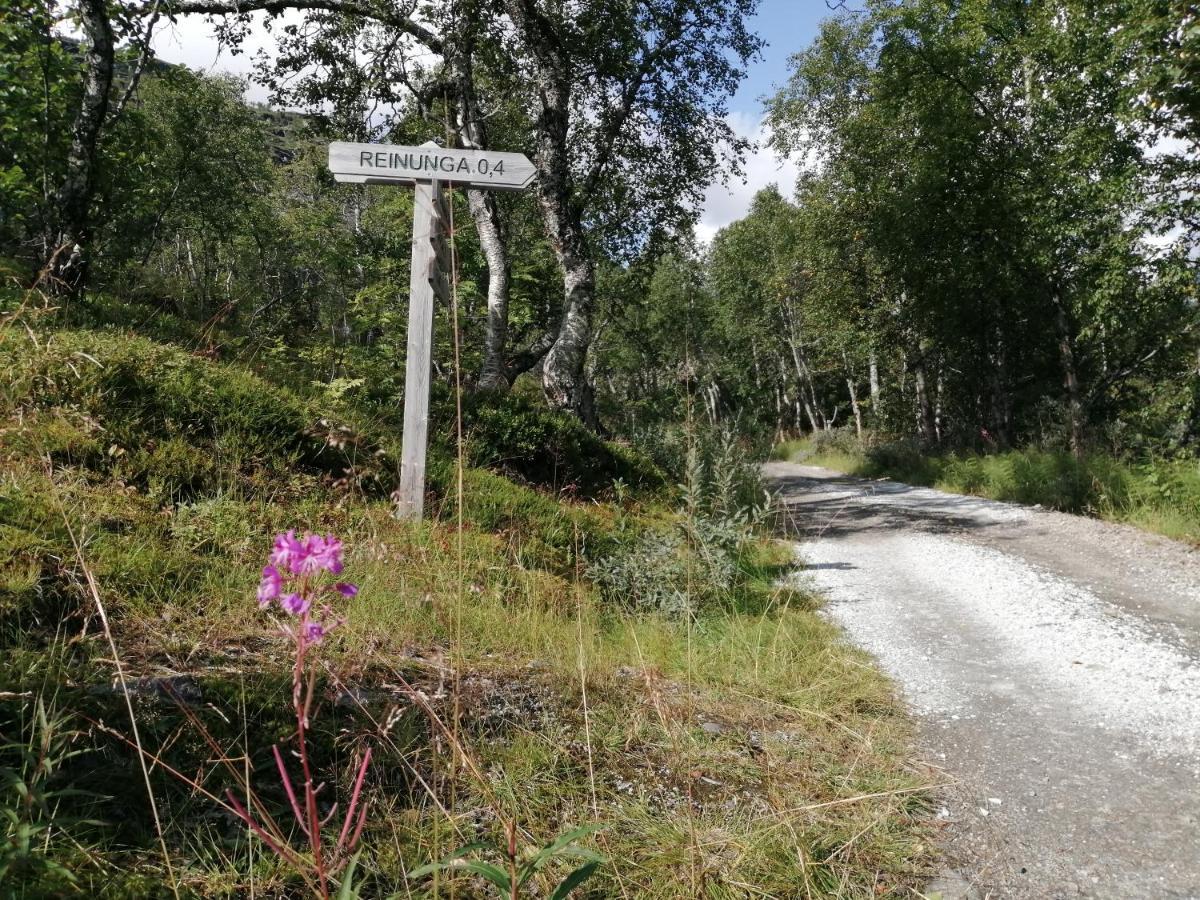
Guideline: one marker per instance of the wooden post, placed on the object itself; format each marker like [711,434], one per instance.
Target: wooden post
[427,168]
[427,228]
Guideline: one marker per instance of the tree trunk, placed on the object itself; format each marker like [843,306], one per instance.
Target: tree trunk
[1001,398]
[563,370]
[564,379]
[712,396]
[472,134]
[805,387]
[925,425]
[801,397]
[874,377]
[66,241]
[853,390]
[937,406]
[493,374]
[1066,354]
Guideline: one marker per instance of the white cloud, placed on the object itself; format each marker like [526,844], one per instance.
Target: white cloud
[726,203]
[192,41]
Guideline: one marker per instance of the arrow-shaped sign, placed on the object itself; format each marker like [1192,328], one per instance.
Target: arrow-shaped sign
[392,164]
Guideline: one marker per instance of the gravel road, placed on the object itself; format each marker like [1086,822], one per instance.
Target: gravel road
[1053,664]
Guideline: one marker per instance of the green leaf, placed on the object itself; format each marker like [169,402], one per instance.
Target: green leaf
[346,891]
[556,848]
[455,860]
[574,880]
[494,874]
[448,861]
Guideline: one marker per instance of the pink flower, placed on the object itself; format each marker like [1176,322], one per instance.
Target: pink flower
[270,586]
[296,604]
[292,561]
[324,553]
[289,552]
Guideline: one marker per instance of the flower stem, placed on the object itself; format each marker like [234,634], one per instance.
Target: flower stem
[301,700]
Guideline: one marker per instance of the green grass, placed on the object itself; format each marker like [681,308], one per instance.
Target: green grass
[1161,496]
[173,471]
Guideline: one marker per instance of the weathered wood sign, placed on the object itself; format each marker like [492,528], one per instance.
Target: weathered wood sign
[387,164]
[429,169]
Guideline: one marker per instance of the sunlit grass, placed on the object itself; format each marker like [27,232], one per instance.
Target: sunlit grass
[489,675]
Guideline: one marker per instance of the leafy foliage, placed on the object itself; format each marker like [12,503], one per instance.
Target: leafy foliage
[516,435]
[34,797]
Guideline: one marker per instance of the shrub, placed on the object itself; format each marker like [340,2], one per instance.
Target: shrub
[694,565]
[902,459]
[512,434]
[837,440]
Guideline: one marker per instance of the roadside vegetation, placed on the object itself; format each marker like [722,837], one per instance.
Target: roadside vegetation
[623,657]
[1159,495]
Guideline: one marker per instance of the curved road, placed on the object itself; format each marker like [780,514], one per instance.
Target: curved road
[1053,664]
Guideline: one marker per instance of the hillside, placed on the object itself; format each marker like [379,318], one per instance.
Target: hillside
[526,673]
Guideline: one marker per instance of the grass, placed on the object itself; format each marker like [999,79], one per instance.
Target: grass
[489,674]
[1158,495]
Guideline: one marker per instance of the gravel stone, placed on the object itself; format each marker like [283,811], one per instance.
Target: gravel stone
[1053,663]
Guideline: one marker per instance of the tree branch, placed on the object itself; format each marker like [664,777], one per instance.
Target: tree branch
[360,8]
[608,137]
[526,359]
[1121,374]
[140,67]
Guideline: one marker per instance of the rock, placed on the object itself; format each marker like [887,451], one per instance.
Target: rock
[951,886]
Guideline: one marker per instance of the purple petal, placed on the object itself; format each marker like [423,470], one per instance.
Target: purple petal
[295,604]
[289,552]
[346,589]
[270,586]
[324,552]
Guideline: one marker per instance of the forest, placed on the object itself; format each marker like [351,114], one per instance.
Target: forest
[990,245]
[587,673]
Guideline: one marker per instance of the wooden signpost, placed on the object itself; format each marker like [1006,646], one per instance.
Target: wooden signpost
[429,169]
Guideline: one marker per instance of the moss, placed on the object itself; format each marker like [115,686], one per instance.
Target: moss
[175,422]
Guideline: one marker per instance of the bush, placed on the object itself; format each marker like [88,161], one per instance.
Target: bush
[837,440]
[1160,495]
[512,434]
[694,565]
[901,459]
[686,570]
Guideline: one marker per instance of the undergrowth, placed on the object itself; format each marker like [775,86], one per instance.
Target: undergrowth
[726,743]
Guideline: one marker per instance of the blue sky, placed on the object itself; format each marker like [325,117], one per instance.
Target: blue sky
[788,26]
